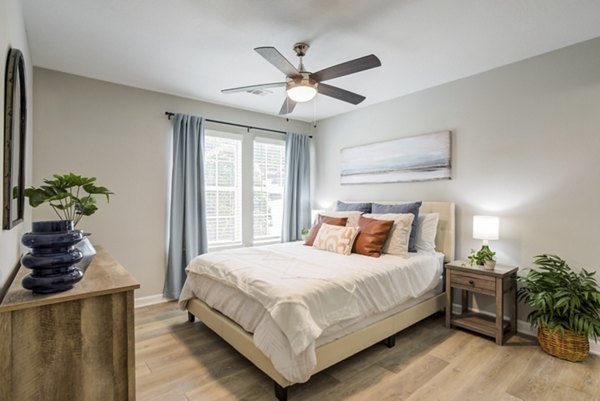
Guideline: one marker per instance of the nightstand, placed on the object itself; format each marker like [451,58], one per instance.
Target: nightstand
[495,283]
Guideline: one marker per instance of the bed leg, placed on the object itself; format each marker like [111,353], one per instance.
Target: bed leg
[191,317]
[390,342]
[280,392]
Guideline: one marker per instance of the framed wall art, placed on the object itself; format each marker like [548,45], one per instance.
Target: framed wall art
[413,158]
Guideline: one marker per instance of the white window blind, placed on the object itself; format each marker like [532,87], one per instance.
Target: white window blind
[223,168]
[269,179]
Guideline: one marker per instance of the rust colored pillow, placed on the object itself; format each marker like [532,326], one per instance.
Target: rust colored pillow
[334,221]
[372,236]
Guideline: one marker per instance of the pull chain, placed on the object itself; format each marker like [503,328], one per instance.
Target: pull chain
[315,112]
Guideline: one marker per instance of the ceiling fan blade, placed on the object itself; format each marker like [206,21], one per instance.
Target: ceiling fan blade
[340,94]
[274,57]
[287,107]
[253,87]
[349,67]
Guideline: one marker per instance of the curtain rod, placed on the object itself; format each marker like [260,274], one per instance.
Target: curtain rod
[248,127]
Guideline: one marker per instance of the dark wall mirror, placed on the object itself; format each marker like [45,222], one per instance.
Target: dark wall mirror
[15,126]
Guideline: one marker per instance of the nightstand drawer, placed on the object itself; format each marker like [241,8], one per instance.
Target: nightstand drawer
[473,282]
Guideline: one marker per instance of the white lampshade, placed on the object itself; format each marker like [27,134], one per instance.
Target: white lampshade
[486,227]
[301,93]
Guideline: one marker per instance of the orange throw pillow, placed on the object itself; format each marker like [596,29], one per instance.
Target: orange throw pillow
[334,221]
[372,236]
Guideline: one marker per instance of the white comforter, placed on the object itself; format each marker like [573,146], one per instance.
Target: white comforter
[304,291]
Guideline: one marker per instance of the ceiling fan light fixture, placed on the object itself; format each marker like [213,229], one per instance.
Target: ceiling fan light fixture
[301,90]
[302,93]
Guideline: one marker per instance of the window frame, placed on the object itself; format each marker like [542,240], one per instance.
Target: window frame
[247,140]
[240,138]
[271,141]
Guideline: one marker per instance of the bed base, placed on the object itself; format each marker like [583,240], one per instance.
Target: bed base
[281,393]
[390,342]
[327,354]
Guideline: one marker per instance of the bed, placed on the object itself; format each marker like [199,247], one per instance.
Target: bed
[268,334]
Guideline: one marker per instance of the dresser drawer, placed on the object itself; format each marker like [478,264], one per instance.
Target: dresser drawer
[473,282]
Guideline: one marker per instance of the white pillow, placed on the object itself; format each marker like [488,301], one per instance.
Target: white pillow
[352,216]
[397,240]
[426,231]
[335,238]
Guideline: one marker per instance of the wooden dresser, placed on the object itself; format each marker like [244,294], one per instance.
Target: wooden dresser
[76,345]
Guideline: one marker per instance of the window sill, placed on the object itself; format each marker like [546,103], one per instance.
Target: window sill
[269,241]
[214,248]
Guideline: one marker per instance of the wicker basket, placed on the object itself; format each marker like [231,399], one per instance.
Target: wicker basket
[573,346]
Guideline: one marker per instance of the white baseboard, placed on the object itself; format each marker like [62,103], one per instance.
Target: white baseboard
[149,300]
[524,327]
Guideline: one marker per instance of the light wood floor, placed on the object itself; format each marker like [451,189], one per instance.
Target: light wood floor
[181,361]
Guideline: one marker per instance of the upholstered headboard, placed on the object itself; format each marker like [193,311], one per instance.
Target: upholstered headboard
[446,229]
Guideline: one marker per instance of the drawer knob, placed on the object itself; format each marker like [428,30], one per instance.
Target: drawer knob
[471,282]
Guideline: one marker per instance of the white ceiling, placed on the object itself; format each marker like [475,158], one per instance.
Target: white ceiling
[195,48]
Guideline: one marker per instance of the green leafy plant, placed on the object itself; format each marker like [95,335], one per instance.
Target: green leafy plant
[304,231]
[481,256]
[561,299]
[70,196]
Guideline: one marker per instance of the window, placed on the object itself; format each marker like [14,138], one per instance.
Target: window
[269,176]
[223,167]
[244,180]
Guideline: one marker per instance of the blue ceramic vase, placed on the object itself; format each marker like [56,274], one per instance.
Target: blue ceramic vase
[52,257]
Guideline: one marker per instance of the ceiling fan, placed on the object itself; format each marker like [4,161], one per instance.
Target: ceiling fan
[302,85]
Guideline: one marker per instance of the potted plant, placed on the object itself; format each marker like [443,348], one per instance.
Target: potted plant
[483,257]
[304,233]
[60,254]
[70,196]
[566,307]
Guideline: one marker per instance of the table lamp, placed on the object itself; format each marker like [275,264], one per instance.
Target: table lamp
[486,228]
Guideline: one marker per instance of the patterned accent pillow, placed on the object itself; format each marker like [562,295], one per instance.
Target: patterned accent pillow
[334,221]
[335,239]
[397,240]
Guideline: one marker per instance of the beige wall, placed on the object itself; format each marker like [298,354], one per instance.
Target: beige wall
[121,136]
[12,34]
[526,147]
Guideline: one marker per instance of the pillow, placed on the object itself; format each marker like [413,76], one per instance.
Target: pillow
[397,241]
[335,239]
[351,216]
[355,206]
[334,221]
[371,236]
[403,208]
[426,231]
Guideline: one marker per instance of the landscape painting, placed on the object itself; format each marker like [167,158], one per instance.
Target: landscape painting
[414,158]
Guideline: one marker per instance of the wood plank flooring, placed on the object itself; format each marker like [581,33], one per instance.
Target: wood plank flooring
[181,361]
